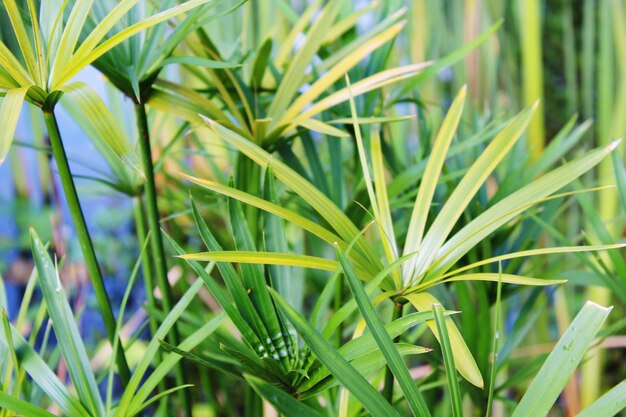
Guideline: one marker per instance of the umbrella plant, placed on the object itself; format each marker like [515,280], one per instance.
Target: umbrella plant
[51,52]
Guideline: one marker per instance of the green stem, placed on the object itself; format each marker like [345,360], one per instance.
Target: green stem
[84,239]
[140,224]
[388,387]
[156,239]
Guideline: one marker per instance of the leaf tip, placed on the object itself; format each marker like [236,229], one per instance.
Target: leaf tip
[207,120]
[614,144]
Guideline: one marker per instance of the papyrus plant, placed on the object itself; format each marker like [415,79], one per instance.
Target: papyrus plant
[51,52]
[430,251]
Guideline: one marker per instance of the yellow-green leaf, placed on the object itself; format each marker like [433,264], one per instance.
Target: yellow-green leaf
[463,358]
[9,115]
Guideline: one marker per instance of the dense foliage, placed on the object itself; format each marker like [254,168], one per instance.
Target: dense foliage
[335,209]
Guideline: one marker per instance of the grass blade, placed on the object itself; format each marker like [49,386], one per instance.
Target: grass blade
[309,193]
[608,405]
[562,362]
[43,376]
[448,361]
[292,80]
[430,179]
[283,402]
[153,346]
[264,258]
[385,343]
[463,358]
[66,330]
[337,365]
[21,407]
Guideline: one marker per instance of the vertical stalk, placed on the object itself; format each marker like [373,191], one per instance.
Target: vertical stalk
[84,239]
[142,233]
[388,386]
[152,210]
[140,225]
[532,71]
[592,368]
[156,240]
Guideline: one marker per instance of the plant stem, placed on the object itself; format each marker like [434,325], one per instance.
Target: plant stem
[156,239]
[140,224]
[388,387]
[85,240]
[533,71]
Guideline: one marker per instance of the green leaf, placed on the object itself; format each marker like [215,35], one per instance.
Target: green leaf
[91,49]
[151,350]
[608,405]
[233,282]
[269,207]
[264,258]
[324,128]
[12,66]
[292,80]
[337,365]
[221,296]
[431,178]
[506,278]
[385,343]
[288,43]
[309,193]
[170,360]
[23,39]
[66,330]
[71,33]
[463,358]
[360,87]
[10,110]
[253,276]
[448,361]
[465,191]
[21,407]
[378,197]
[288,284]
[337,71]
[347,308]
[92,113]
[158,396]
[534,252]
[562,362]
[282,402]
[197,61]
[511,206]
[44,377]
[372,120]
[620,177]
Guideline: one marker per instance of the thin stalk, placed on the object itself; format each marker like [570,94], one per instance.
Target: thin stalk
[156,239]
[140,224]
[533,71]
[84,239]
[388,385]
[591,369]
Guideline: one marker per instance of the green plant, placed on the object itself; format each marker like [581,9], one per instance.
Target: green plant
[393,224]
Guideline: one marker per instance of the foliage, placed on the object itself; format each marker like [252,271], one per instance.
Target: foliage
[338,211]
